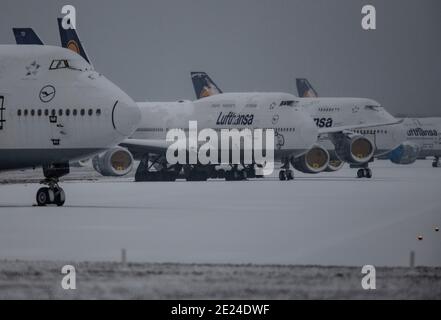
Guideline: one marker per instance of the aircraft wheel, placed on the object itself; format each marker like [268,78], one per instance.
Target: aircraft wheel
[368,173]
[221,174]
[42,197]
[435,164]
[282,175]
[360,173]
[251,173]
[289,175]
[60,197]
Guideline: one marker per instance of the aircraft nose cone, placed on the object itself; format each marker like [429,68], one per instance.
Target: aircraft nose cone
[125,117]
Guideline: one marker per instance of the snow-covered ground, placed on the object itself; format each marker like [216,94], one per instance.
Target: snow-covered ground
[97,280]
[327,219]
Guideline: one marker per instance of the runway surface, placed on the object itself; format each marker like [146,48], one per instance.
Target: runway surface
[327,219]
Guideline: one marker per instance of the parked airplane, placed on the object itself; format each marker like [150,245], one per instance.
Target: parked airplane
[423,140]
[55,108]
[294,135]
[423,135]
[149,145]
[353,146]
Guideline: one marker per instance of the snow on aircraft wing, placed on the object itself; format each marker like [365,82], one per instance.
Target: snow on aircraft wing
[143,146]
[357,126]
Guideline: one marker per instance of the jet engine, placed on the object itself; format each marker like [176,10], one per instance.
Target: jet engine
[335,163]
[115,162]
[314,161]
[353,148]
[406,153]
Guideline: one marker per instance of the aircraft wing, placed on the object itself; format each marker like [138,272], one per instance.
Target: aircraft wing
[140,147]
[357,126]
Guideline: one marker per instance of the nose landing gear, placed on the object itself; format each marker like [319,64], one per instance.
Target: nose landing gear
[53,193]
[285,173]
[436,163]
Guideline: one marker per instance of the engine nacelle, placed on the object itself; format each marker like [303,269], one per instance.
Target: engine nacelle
[335,163]
[115,162]
[406,153]
[315,160]
[353,148]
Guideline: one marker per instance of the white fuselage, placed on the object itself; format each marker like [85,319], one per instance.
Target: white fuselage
[340,112]
[294,128]
[55,108]
[426,133]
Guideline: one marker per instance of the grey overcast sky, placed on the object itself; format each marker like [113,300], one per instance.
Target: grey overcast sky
[149,47]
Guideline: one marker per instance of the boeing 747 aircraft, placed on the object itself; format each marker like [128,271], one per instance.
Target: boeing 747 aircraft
[295,132]
[423,140]
[423,135]
[55,108]
[330,114]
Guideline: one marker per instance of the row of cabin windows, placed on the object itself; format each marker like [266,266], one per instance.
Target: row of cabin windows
[218,129]
[61,112]
[150,129]
[285,129]
[371,131]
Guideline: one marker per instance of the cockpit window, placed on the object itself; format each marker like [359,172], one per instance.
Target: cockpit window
[70,64]
[287,103]
[59,64]
[373,108]
[79,65]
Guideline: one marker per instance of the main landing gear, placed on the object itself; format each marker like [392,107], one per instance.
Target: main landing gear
[145,171]
[363,170]
[236,174]
[364,173]
[285,173]
[53,193]
[436,163]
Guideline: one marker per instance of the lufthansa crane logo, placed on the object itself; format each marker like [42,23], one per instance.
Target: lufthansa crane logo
[47,93]
[73,45]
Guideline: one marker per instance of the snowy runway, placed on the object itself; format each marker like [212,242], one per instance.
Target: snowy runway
[328,219]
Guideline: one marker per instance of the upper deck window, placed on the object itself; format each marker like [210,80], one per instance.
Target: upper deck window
[288,103]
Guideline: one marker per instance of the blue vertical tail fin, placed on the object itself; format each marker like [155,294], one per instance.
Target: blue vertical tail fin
[305,89]
[70,40]
[26,36]
[203,85]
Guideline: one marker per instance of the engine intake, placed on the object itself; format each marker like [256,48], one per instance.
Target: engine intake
[406,153]
[314,161]
[115,162]
[335,163]
[353,148]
